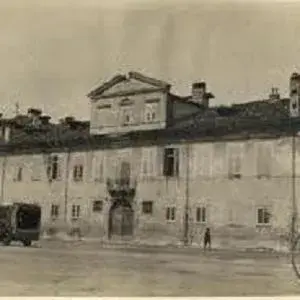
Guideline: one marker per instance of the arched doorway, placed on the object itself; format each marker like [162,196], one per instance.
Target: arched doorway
[121,219]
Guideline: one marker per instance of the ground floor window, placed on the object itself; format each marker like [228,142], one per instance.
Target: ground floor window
[201,214]
[75,211]
[170,213]
[97,206]
[263,216]
[54,211]
[147,207]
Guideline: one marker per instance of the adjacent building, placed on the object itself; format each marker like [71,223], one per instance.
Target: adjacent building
[154,166]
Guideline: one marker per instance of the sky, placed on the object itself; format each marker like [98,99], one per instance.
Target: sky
[52,53]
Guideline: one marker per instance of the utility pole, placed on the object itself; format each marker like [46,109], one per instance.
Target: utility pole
[294,202]
[17,107]
[187,195]
[66,190]
[3,175]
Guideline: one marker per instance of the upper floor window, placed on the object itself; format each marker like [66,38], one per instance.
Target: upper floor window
[235,163]
[148,162]
[53,171]
[78,172]
[151,112]
[127,115]
[103,106]
[263,161]
[103,114]
[99,174]
[124,171]
[19,174]
[171,162]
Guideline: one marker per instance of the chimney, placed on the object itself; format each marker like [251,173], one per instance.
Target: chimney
[45,120]
[295,95]
[274,95]
[33,113]
[199,93]
[69,120]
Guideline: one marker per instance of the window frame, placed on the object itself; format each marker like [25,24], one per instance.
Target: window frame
[54,211]
[78,172]
[266,212]
[175,156]
[151,108]
[53,168]
[170,213]
[235,160]
[199,213]
[96,209]
[126,111]
[19,174]
[145,207]
[75,211]
[264,171]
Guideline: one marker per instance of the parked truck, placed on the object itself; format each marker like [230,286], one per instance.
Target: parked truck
[20,222]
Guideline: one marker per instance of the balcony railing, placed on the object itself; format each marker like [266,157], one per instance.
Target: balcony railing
[121,187]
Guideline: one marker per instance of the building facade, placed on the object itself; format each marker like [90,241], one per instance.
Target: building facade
[153,166]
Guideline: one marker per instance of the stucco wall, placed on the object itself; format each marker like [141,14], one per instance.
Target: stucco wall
[112,121]
[231,203]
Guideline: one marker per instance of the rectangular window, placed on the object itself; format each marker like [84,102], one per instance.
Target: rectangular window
[148,163]
[147,207]
[54,211]
[263,161]
[127,115]
[97,206]
[78,173]
[170,213]
[171,162]
[19,174]
[151,112]
[75,211]
[53,171]
[99,171]
[201,215]
[235,164]
[263,216]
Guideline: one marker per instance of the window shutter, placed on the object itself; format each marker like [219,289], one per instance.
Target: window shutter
[160,161]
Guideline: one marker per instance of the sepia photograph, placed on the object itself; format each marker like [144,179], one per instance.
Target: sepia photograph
[149,148]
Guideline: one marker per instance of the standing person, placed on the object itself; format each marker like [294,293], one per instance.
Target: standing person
[207,239]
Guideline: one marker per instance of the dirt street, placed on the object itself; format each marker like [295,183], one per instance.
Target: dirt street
[68,269]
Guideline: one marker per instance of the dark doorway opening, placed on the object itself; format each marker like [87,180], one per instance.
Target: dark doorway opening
[121,219]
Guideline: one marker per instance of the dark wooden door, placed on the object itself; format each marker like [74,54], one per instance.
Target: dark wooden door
[121,221]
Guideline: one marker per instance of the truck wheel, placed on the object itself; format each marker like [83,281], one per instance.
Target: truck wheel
[27,243]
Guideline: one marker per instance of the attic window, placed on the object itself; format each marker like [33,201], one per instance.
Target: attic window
[126,102]
[103,106]
[151,112]
[127,116]
[154,100]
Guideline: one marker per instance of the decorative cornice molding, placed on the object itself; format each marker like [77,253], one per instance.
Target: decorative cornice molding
[130,93]
[157,85]
[105,86]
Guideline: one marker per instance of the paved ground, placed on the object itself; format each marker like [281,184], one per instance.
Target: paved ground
[66,269]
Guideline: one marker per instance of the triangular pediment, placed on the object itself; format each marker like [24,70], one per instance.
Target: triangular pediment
[133,83]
